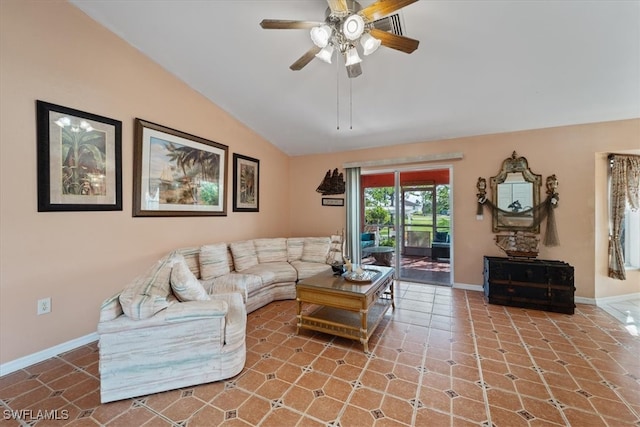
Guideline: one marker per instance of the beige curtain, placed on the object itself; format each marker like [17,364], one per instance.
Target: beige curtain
[625,179]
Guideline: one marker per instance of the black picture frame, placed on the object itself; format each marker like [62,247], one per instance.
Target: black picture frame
[177,174]
[79,158]
[246,183]
[332,201]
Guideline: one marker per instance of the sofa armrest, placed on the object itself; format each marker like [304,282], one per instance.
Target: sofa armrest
[176,313]
[193,310]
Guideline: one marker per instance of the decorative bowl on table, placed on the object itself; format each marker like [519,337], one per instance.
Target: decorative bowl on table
[361,276]
[338,269]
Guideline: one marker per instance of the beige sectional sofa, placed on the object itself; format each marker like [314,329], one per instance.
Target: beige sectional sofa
[183,322]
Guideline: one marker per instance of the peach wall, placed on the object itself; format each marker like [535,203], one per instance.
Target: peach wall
[566,151]
[53,52]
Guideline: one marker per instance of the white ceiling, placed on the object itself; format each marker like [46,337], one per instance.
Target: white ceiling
[481,67]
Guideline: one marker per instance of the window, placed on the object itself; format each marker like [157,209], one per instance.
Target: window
[631,238]
[624,232]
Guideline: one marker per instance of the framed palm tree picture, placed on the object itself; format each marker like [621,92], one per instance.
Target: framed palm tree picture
[246,180]
[177,174]
[79,160]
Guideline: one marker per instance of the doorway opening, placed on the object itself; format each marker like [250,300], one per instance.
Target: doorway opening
[406,217]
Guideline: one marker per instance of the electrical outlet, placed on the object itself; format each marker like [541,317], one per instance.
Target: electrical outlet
[44,305]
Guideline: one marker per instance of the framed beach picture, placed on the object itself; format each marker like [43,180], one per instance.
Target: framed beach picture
[246,184]
[79,160]
[177,174]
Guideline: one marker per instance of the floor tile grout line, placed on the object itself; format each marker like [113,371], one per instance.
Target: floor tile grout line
[539,370]
[303,414]
[11,413]
[595,369]
[424,364]
[270,401]
[499,339]
[485,396]
[370,357]
[60,358]
[142,402]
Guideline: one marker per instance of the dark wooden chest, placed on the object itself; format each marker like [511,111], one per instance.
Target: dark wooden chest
[529,283]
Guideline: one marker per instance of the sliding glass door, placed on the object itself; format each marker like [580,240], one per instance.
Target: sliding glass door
[407,213]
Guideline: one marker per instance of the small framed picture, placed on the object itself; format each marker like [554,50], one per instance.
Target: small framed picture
[79,160]
[332,201]
[246,184]
[177,174]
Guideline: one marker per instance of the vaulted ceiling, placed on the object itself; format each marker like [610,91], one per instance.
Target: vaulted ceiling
[481,67]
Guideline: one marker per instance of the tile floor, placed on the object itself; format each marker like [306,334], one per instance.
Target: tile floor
[442,358]
[627,312]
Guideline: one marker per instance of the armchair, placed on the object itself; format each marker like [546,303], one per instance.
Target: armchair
[440,247]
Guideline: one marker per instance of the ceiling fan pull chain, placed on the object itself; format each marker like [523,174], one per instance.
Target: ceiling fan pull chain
[337,94]
[350,104]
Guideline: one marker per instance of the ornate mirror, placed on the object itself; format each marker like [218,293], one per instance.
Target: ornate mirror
[515,192]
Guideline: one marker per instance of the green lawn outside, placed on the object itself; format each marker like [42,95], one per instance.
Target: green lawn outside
[418,222]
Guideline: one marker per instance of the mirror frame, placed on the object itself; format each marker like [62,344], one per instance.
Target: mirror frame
[515,164]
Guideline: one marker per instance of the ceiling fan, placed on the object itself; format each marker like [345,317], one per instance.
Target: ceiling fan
[346,25]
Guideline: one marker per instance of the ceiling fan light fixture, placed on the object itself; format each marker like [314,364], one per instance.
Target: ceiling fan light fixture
[353,27]
[320,35]
[369,43]
[325,54]
[352,57]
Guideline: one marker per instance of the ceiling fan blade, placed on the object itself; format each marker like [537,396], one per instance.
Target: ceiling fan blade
[283,24]
[382,8]
[393,41]
[305,59]
[354,70]
[338,6]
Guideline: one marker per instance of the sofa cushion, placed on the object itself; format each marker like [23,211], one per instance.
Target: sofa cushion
[244,254]
[315,249]
[192,257]
[365,237]
[184,283]
[308,269]
[213,261]
[233,282]
[148,293]
[274,272]
[271,250]
[294,248]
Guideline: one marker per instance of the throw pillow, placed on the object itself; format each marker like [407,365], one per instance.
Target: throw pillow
[213,261]
[184,283]
[315,249]
[244,254]
[148,293]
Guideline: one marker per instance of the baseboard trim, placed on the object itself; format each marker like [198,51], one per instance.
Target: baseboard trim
[617,298]
[466,287]
[48,353]
[583,300]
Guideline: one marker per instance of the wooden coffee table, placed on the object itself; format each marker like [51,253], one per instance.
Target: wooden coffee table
[345,308]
